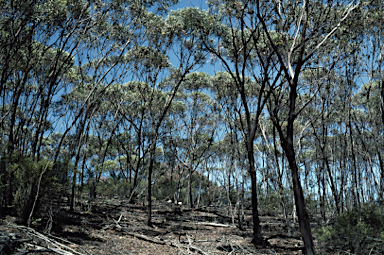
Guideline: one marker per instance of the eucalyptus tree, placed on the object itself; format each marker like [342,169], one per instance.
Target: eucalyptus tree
[370,98]
[369,129]
[164,77]
[113,51]
[35,58]
[103,146]
[228,42]
[346,117]
[322,112]
[273,154]
[231,149]
[137,103]
[196,126]
[273,43]
[229,154]
[306,30]
[104,48]
[234,36]
[53,46]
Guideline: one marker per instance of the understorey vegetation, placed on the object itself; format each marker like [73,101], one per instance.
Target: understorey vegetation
[271,108]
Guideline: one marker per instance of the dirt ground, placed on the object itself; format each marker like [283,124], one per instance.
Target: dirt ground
[117,227]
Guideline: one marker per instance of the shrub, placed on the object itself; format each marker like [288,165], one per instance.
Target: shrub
[26,174]
[271,203]
[360,231]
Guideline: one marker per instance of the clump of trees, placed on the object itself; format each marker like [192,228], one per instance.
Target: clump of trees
[289,115]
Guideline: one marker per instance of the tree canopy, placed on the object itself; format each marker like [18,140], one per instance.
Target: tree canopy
[274,98]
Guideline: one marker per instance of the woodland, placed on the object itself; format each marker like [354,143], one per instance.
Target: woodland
[234,127]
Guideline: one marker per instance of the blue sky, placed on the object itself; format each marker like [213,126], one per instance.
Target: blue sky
[190,3]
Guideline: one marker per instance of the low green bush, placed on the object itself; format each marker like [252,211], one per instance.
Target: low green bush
[359,231]
[271,202]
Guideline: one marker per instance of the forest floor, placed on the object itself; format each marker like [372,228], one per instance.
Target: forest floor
[117,227]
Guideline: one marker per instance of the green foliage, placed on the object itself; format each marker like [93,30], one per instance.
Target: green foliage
[111,187]
[311,201]
[20,183]
[271,203]
[26,173]
[164,190]
[360,231]
[52,10]
[108,70]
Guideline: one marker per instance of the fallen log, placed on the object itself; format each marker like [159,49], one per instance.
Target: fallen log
[145,238]
[34,236]
[212,224]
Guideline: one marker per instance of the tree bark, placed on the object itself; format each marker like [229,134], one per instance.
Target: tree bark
[287,144]
[150,170]
[304,223]
[257,238]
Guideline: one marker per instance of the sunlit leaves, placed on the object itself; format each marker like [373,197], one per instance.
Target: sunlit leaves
[51,11]
[196,80]
[148,57]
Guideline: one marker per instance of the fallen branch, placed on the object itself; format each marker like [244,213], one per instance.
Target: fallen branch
[146,238]
[66,241]
[57,246]
[52,245]
[213,224]
[204,241]
[157,241]
[190,246]
[37,248]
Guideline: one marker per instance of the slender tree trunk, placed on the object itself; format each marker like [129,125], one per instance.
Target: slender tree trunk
[74,178]
[304,223]
[150,170]
[280,181]
[241,215]
[190,186]
[342,177]
[230,208]
[381,190]
[374,132]
[208,187]
[287,144]
[333,185]
[356,201]
[319,183]
[198,195]
[178,189]
[229,211]
[322,145]
[324,194]
[257,238]
[73,189]
[173,165]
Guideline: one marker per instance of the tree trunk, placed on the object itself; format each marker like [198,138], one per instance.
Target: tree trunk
[257,238]
[381,165]
[241,211]
[198,195]
[305,228]
[150,170]
[324,195]
[74,178]
[190,186]
[356,197]
[287,144]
